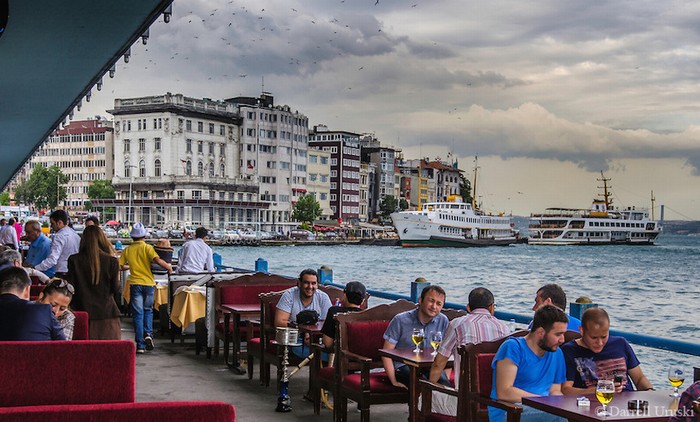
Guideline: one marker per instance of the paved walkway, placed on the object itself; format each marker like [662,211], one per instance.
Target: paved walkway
[174,372]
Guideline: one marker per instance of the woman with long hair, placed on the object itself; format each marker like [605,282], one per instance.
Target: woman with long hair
[94,272]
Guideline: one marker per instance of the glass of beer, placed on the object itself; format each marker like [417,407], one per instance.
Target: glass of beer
[604,392]
[417,338]
[435,340]
[676,376]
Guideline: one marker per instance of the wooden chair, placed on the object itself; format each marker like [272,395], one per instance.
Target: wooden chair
[260,346]
[359,336]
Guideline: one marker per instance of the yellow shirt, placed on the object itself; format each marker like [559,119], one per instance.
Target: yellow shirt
[139,257]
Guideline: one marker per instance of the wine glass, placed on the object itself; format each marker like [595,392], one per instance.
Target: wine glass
[604,392]
[676,376]
[435,339]
[417,338]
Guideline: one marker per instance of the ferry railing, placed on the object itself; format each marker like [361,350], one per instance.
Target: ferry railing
[662,343]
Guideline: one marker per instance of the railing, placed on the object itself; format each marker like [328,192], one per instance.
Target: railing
[326,278]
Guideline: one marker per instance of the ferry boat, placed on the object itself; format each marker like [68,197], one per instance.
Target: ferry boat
[453,223]
[602,224]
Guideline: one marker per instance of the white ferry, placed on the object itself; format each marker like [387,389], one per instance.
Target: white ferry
[602,224]
[452,223]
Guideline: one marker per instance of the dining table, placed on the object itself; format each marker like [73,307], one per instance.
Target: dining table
[660,406]
[234,315]
[189,304]
[416,362]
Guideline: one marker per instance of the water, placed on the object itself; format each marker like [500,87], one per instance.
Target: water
[645,289]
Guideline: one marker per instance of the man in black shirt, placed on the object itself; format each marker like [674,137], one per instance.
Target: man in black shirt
[353,297]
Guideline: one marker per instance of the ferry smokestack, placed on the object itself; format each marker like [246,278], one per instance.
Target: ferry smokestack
[661,222]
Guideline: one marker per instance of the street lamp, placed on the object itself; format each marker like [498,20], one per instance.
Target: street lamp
[129,209]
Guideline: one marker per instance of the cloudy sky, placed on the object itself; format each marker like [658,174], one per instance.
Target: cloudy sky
[546,93]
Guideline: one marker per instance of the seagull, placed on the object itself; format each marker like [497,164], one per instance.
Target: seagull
[242,76]
[376,3]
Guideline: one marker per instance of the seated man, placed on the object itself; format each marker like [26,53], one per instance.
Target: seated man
[531,366]
[597,355]
[302,297]
[58,294]
[553,294]
[353,297]
[20,319]
[480,325]
[196,256]
[685,412]
[428,317]
[12,258]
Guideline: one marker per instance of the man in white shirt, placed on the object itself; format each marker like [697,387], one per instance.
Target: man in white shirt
[66,242]
[8,235]
[195,255]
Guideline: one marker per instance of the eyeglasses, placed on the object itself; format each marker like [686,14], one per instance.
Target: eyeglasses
[59,283]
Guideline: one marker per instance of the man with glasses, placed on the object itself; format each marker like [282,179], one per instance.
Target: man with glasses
[20,319]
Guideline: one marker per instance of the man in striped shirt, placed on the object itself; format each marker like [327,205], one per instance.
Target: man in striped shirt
[480,325]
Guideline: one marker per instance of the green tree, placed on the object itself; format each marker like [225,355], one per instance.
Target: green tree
[388,205]
[101,189]
[5,198]
[306,210]
[465,189]
[403,204]
[44,188]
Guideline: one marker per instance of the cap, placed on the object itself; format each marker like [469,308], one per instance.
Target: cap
[138,230]
[355,290]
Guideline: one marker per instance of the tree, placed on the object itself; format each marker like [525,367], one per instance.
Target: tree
[101,189]
[5,198]
[307,209]
[403,204]
[388,205]
[465,189]
[44,188]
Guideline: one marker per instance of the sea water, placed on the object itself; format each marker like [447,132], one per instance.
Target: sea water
[650,290]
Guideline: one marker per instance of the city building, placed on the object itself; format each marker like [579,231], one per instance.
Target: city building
[177,162]
[83,151]
[383,180]
[273,149]
[345,170]
[318,182]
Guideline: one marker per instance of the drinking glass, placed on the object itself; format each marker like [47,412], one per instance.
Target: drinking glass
[604,392]
[676,376]
[435,339]
[417,338]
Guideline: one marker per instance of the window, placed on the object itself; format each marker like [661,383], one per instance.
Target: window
[181,194]
[127,169]
[200,169]
[196,194]
[128,125]
[156,168]
[313,159]
[200,147]
[142,168]
[156,143]
[188,168]
[324,160]
[222,130]
[323,196]
[211,128]
[127,145]
[200,127]
[142,144]
[222,170]
[222,150]
[188,125]
[189,145]
[211,148]
[211,169]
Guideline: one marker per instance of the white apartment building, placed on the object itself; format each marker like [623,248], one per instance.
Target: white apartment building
[177,161]
[318,182]
[273,151]
[83,152]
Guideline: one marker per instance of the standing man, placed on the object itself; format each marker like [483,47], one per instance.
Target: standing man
[20,319]
[553,294]
[196,256]
[39,245]
[353,297]
[480,325]
[426,316]
[66,242]
[8,235]
[531,366]
[597,355]
[137,259]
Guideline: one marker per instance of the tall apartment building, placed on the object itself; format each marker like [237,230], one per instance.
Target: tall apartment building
[83,151]
[273,151]
[177,161]
[319,181]
[383,184]
[345,170]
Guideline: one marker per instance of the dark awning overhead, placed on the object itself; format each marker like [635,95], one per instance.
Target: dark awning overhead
[52,53]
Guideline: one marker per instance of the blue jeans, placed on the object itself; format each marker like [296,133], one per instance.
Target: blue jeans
[141,304]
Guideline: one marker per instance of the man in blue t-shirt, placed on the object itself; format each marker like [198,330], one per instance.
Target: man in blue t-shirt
[597,355]
[531,366]
[553,294]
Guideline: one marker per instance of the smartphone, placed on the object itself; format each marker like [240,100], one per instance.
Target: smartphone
[619,379]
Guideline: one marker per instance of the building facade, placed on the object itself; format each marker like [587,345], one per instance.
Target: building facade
[383,183]
[83,151]
[177,162]
[319,180]
[344,148]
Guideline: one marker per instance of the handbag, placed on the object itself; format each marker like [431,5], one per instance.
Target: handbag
[307,317]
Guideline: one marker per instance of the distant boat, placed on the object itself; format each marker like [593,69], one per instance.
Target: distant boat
[602,224]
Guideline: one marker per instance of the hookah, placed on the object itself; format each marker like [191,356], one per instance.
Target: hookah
[285,337]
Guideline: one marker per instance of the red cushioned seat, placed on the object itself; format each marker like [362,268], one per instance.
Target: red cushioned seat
[378,383]
[326,373]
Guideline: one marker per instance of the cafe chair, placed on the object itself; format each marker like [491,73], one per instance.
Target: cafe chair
[359,336]
[256,345]
[81,328]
